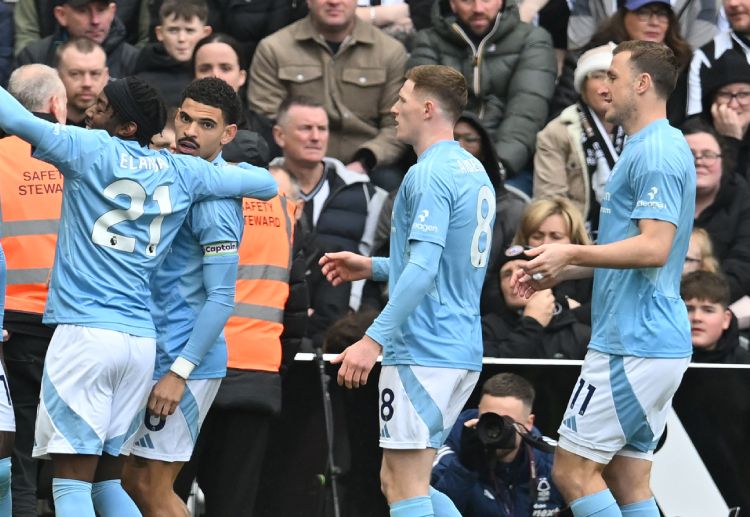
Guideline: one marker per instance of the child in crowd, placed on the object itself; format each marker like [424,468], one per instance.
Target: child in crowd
[713,327]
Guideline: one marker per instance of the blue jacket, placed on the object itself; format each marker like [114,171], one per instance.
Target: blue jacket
[475,496]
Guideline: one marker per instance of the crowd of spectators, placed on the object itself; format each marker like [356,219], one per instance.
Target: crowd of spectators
[535,116]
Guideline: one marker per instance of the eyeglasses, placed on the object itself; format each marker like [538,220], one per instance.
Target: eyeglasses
[708,157]
[726,97]
[644,14]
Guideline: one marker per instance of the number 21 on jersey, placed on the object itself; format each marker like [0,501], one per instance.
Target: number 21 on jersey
[101,233]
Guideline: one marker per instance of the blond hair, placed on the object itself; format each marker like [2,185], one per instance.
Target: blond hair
[540,209]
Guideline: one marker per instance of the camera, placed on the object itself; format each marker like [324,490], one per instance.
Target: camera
[496,431]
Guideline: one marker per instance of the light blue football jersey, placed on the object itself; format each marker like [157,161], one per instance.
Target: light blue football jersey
[446,198]
[639,312]
[210,234]
[122,207]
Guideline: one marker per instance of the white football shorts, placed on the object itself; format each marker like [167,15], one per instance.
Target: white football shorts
[418,405]
[94,383]
[619,405]
[173,439]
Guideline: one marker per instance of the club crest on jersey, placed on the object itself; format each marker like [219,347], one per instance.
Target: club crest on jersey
[216,249]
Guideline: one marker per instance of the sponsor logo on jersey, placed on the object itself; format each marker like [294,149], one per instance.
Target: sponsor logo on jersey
[421,224]
[216,249]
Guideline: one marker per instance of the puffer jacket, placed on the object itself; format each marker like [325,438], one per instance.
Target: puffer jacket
[164,73]
[511,76]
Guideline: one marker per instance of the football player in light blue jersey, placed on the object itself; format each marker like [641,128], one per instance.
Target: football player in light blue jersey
[192,297]
[429,332]
[123,204]
[640,344]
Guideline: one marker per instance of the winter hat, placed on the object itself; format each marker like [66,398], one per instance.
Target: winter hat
[731,67]
[593,60]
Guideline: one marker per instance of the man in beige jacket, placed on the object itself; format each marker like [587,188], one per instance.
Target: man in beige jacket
[348,65]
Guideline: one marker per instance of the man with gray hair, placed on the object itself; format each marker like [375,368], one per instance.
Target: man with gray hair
[31,197]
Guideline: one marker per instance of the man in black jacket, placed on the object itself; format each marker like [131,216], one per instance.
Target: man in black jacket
[92,19]
[713,327]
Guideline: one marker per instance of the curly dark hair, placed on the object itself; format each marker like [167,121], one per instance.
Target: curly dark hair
[214,92]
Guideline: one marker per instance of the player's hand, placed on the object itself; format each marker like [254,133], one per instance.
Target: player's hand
[548,262]
[6,335]
[726,121]
[525,286]
[166,395]
[345,266]
[541,306]
[357,362]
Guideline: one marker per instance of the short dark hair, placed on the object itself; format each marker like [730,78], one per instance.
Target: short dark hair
[184,10]
[704,285]
[446,84]
[296,100]
[82,45]
[510,385]
[215,92]
[654,59]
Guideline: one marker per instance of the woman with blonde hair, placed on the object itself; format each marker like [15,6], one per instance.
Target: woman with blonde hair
[700,254]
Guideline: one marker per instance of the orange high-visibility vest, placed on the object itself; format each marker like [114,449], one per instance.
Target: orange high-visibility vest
[254,329]
[30,201]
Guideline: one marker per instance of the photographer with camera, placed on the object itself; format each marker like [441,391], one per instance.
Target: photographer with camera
[495,463]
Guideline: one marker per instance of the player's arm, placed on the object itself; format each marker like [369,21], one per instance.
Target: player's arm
[415,281]
[219,281]
[216,182]
[410,289]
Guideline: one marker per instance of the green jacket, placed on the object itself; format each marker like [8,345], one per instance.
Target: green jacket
[511,75]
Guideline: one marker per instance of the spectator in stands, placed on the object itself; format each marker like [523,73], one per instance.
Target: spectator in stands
[349,66]
[713,327]
[706,56]
[509,64]
[726,105]
[556,220]
[539,327]
[576,152]
[6,42]
[722,205]
[167,64]
[698,20]
[92,19]
[250,22]
[515,480]
[35,19]
[29,240]
[341,206]
[644,20]
[700,253]
[398,18]
[82,66]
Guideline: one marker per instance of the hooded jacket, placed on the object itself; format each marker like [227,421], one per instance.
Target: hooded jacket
[511,75]
[727,351]
[121,56]
[164,72]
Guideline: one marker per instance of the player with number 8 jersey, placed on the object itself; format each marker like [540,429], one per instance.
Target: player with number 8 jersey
[123,204]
